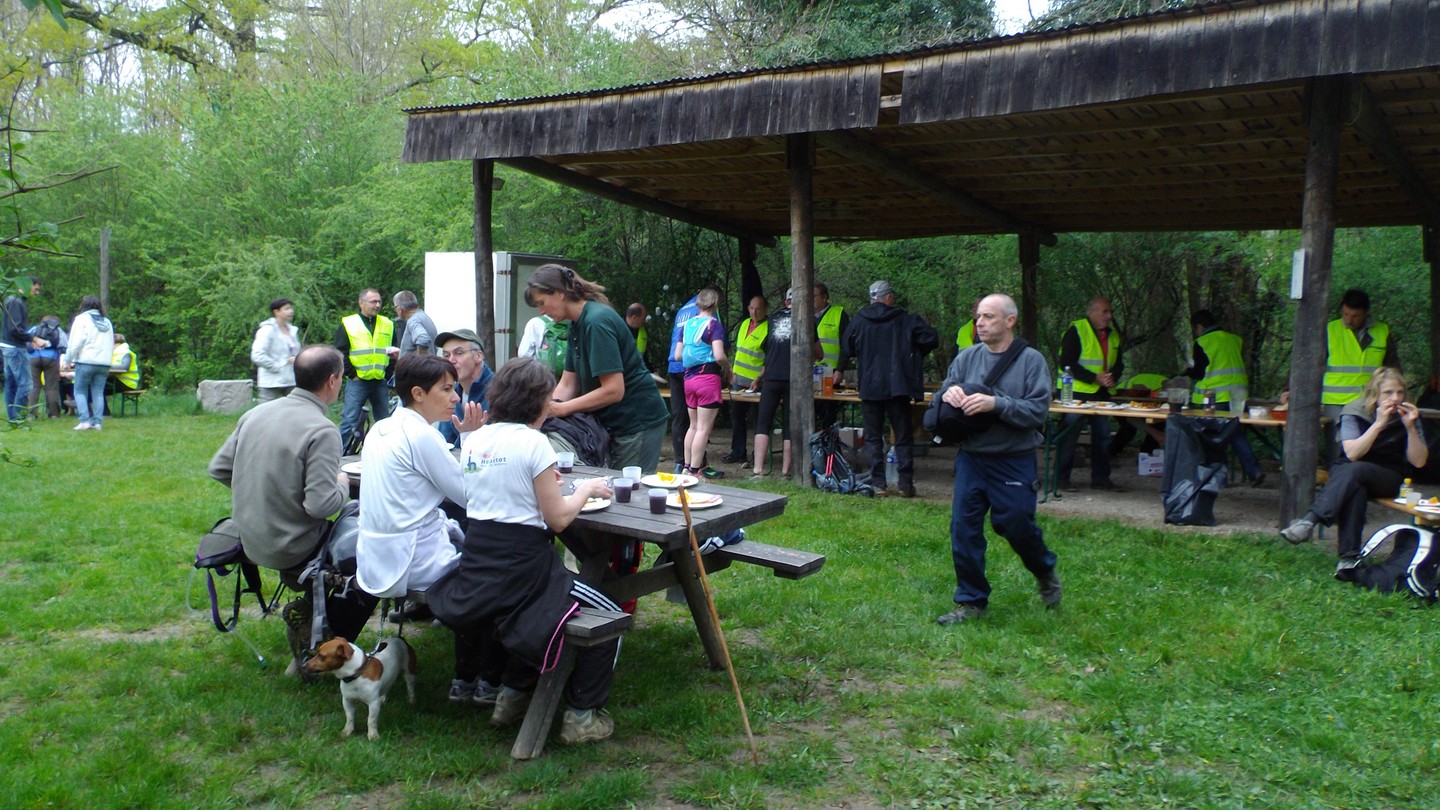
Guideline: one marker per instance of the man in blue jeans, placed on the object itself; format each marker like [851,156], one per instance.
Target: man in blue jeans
[995,469]
[15,343]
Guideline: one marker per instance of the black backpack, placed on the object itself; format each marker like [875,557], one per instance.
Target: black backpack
[49,330]
[833,463]
[1411,566]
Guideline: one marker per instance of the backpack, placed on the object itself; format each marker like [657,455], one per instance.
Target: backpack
[833,463]
[48,330]
[219,554]
[696,349]
[553,345]
[1411,566]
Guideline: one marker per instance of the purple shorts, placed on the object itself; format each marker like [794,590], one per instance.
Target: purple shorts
[702,391]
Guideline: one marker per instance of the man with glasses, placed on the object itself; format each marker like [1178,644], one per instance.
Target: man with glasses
[462,348]
[368,341]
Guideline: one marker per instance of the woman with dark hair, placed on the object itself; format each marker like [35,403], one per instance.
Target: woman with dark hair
[604,373]
[92,342]
[510,593]
[1381,444]
[273,351]
[405,539]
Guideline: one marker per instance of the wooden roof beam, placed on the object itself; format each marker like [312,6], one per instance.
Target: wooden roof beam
[878,159]
[625,196]
[1368,120]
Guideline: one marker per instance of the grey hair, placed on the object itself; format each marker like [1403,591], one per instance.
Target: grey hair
[406,300]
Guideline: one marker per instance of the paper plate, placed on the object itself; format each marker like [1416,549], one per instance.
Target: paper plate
[595,504]
[698,500]
[677,480]
[1427,510]
[1111,406]
[353,468]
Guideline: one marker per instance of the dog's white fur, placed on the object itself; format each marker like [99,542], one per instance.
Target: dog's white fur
[370,676]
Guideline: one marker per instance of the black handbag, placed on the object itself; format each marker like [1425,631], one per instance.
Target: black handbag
[954,425]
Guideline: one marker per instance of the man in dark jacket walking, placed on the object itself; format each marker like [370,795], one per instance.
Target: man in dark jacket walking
[890,345]
[15,343]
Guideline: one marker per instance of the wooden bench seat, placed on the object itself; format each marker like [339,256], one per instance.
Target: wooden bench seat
[587,628]
[787,563]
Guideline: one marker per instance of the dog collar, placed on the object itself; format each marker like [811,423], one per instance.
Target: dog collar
[350,678]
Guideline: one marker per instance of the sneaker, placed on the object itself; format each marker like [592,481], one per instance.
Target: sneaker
[1345,568]
[1106,485]
[1049,585]
[83,426]
[510,707]
[485,694]
[1299,531]
[962,614]
[711,544]
[590,725]
[710,472]
[760,476]
[95,426]
[462,691]
[680,468]
[906,492]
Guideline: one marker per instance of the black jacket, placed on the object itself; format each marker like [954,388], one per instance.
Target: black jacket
[15,328]
[890,345]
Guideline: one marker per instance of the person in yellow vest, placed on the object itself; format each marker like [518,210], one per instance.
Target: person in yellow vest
[749,362]
[370,344]
[124,365]
[1358,344]
[1091,350]
[830,323]
[1219,366]
[635,315]
[965,337]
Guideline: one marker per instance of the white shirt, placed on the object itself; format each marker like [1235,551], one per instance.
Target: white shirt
[499,463]
[404,540]
[530,340]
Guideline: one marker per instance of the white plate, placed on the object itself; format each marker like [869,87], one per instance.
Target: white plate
[1111,406]
[698,500]
[353,468]
[680,480]
[595,504]
[1429,510]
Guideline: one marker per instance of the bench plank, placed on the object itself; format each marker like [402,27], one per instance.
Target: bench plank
[787,563]
[591,626]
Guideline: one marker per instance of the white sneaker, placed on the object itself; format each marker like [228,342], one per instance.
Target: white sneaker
[95,426]
[83,426]
[590,725]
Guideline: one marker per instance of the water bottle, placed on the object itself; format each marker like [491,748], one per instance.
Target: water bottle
[892,468]
[1067,387]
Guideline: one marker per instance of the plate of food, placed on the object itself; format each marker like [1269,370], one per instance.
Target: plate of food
[698,500]
[353,468]
[595,504]
[1109,406]
[1136,405]
[1422,508]
[669,480]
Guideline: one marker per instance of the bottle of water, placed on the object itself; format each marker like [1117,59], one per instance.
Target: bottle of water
[892,468]
[1067,387]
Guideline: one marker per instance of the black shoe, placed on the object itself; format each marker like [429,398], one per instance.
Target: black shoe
[1106,485]
[733,459]
[1258,481]
[1049,587]
[1066,486]
[413,612]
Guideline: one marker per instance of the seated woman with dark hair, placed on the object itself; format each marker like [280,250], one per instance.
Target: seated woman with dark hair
[1382,445]
[510,595]
[405,539]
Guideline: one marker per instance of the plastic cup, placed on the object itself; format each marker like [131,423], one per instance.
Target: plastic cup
[1412,498]
[634,474]
[657,501]
[622,490]
[565,462]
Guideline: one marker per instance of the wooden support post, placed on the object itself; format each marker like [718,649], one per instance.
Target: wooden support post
[483,177]
[1317,239]
[1430,235]
[800,159]
[1030,286]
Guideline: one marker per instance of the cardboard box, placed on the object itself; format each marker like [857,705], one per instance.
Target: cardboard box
[852,437]
[1151,465]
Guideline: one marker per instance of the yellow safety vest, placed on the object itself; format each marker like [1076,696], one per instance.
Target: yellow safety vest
[828,330]
[642,339]
[965,338]
[1348,367]
[749,360]
[1226,371]
[367,350]
[1090,357]
[1153,382]
[131,376]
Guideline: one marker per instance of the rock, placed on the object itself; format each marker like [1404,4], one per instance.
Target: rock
[224,396]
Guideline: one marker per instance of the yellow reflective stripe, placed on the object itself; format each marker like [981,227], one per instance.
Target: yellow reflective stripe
[1349,369]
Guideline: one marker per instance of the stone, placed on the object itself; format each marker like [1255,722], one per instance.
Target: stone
[224,396]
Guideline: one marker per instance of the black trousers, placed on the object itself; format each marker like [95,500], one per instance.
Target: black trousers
[873,413]
[477,653]
[679,416]
[1342,501]
[741,414]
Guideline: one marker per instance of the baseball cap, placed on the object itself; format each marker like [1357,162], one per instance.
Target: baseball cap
[463,334]
[880,289]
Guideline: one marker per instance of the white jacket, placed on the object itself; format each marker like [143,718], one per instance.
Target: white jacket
[91,339]
[271,352]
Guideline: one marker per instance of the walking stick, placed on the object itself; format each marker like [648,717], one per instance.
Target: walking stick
[715,619]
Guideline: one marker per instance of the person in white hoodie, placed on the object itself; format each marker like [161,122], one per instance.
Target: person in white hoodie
[273,351]
[92,341]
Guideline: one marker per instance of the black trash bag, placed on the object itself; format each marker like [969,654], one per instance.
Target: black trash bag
[1196,448]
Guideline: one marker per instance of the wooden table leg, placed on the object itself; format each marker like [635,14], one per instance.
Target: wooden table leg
[544,704]
[689,577]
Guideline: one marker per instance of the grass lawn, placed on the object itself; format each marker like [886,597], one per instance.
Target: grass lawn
[1182,670]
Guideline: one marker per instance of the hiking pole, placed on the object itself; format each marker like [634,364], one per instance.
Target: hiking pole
[715,619]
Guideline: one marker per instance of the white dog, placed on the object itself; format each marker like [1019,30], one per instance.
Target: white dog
[365,679]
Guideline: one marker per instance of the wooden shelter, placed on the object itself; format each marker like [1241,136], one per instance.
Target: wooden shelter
[1243,115]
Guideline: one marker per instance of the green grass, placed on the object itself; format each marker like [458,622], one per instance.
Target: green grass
[1184,670]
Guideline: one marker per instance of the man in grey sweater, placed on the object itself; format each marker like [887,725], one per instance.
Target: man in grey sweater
[995,469]
[282,464]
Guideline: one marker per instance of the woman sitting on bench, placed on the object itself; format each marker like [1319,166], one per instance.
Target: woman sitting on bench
[1382,444]
[510,596]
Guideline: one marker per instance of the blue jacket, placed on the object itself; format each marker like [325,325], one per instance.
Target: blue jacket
[475,394]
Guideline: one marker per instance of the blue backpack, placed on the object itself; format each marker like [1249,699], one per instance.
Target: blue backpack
[697,350]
